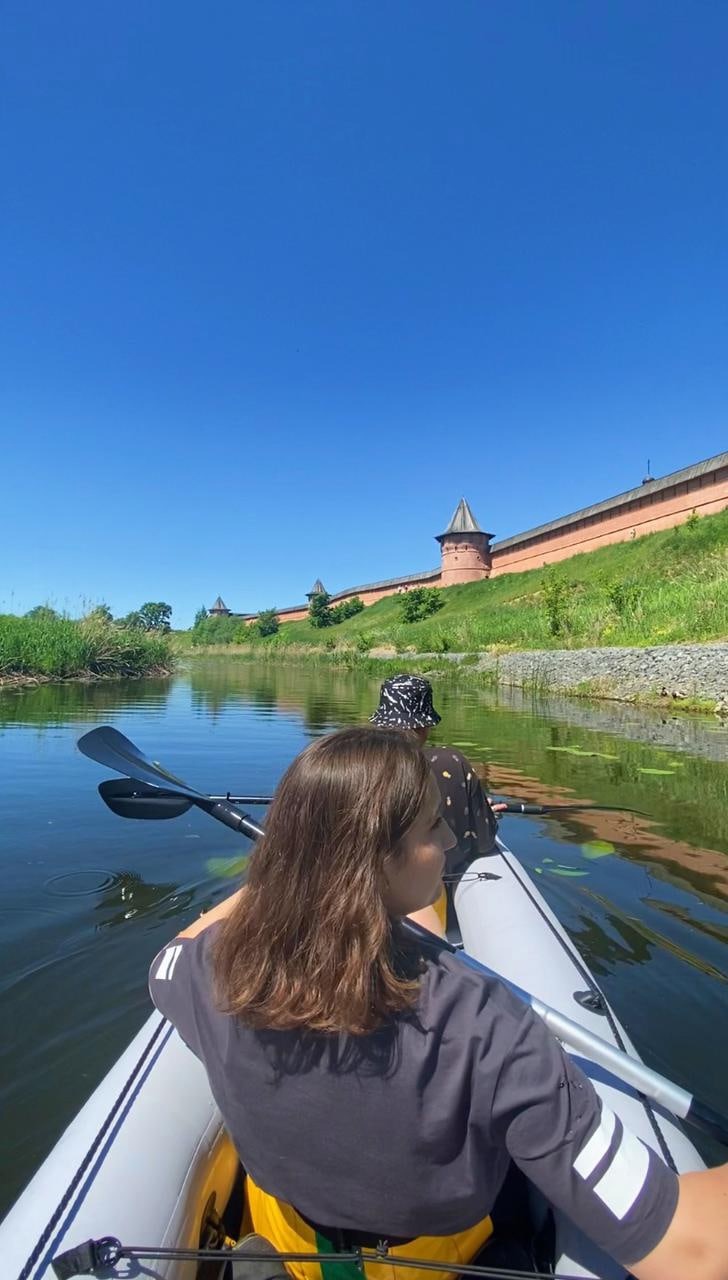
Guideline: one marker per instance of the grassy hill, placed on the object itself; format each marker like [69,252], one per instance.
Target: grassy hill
[663,588]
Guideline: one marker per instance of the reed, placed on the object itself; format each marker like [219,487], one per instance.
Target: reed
[62,649]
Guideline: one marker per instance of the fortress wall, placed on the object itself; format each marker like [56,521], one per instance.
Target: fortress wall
[649,512]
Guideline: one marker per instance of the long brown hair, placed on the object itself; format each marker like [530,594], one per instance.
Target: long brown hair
[309,944]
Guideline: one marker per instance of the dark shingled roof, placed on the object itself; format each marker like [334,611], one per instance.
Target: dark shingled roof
[220,604]
[389,582]
[463,521]
[631,495]
[318,588]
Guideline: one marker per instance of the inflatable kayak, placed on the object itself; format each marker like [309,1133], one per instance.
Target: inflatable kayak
[147,1160]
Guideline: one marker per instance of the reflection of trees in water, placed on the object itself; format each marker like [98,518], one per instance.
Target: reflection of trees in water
[323,697]
[131,898]
[48,705]
[603,951]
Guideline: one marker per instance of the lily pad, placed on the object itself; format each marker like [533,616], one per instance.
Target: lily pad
[229,868]
[594,849]
[663,773]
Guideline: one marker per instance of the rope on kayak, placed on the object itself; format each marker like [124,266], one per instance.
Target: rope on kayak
[108,1251]
[85,1163]
[604,1009]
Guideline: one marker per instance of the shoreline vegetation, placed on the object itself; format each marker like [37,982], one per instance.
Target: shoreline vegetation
[664,595]
[662,591]
[45,647]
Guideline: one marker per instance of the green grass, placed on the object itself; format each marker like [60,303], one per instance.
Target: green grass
[664,588]
[60,649]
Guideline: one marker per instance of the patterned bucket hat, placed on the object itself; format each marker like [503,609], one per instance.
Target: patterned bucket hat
[405,702]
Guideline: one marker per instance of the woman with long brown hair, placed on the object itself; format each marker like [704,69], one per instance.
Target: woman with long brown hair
[375,1087]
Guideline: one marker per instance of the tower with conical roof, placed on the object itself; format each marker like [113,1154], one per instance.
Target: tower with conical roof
[318,589]
[220,609]
[465,549]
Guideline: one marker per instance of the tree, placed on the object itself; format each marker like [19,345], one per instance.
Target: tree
[319,610]
[100,613]
[266,623]
[43,613]
[200,616]
[156,615]
[132,621]
[420,603]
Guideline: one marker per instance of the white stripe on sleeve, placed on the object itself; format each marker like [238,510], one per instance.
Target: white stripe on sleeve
[598,1145]
[168,961]
[624,1178]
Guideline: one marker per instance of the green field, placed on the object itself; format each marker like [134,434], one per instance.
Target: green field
[665,588]
[60,649]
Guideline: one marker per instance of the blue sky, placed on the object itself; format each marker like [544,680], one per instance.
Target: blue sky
[282,280]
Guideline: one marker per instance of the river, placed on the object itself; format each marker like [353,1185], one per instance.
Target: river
[88,898]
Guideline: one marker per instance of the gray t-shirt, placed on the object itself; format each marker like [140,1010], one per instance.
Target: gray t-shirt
[409,1131]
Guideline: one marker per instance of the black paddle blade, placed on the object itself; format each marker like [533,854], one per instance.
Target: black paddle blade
[128,798]
[110,748]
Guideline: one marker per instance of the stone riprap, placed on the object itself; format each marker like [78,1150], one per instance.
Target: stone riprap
[674,671]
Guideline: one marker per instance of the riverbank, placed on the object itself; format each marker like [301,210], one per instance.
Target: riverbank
[688,677]
[39,650]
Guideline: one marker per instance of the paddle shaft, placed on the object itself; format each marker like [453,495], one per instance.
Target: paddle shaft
[516,806]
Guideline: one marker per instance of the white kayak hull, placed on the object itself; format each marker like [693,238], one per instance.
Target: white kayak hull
[507,925]
[142,1158]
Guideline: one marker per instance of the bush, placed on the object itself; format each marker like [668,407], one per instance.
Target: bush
[266,624]
[216,631]
[556,594]
[624,596]
[420,603]
[347,609]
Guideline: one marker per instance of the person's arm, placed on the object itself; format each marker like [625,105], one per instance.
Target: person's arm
[219,912]
[483,822]
[695,1245]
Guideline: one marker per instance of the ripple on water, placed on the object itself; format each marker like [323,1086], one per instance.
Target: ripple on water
[79,884]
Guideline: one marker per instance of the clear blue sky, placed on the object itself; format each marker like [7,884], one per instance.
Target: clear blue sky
[282,280]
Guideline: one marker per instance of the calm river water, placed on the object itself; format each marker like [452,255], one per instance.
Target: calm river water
[88,898]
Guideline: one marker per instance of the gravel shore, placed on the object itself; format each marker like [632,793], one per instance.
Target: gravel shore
[661,674]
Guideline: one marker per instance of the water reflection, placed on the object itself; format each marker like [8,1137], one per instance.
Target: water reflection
[89,898]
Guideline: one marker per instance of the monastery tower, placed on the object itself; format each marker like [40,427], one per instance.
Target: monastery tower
[466,555]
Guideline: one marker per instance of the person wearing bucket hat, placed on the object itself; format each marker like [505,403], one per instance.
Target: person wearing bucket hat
[405,703]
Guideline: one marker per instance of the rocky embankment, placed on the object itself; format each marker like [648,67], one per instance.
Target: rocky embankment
[668,673]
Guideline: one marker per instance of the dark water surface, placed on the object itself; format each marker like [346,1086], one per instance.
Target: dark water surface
[89,898]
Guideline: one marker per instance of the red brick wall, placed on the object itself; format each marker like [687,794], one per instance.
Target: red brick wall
[648,512]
